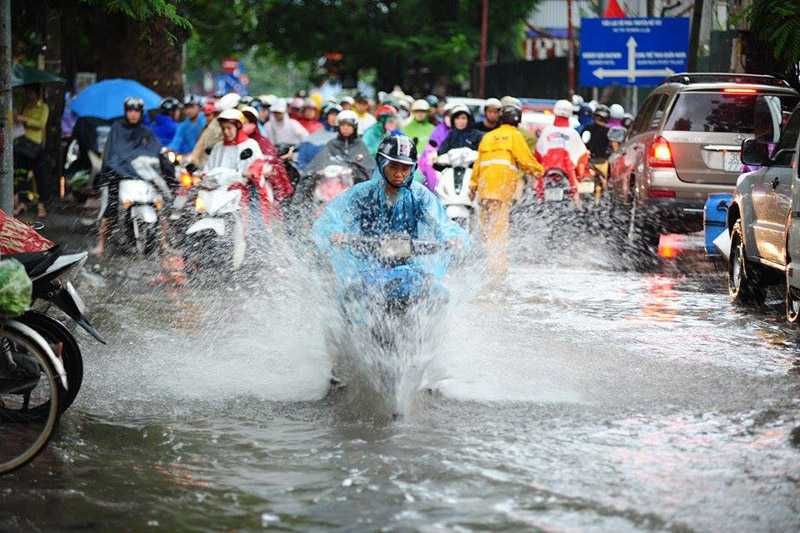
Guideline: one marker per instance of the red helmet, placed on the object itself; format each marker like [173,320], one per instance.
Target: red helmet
[385,109]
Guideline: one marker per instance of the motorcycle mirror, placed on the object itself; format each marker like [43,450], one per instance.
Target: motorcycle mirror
[586,136]
[247,153]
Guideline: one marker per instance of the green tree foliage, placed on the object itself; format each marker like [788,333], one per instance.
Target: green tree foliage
[430,38]
[777,22]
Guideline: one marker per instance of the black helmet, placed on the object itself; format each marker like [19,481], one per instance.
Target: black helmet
[192,99]
[511,113]
[169,104]
[602,112]
[133,102]
[400,149]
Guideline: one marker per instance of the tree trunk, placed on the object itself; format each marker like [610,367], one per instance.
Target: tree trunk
[54,96]
[145,52]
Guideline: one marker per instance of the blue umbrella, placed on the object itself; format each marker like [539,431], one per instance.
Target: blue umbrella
[104,99]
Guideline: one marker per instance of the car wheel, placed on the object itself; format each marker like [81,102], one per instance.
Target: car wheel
[744,285]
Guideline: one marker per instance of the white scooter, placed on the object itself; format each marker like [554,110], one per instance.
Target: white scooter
[218,236]
[453,186]
[139,201]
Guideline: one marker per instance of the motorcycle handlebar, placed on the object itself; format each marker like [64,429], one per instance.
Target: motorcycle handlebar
[418,246]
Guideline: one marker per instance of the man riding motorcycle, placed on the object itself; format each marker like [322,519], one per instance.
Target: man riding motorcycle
[128,139]
[419,127]
[560,146]
[190,128]
[164,124]
[283,129]
[390,203]
[462,134]
[347,147]
[598,131]
[491,115]
[236,151]
[502,153]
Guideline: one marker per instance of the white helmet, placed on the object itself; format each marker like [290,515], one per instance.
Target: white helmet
[617,111]
[420,105]
[460,108]
[493,103]
[232,115]
[347,116]
[563,108]
[577,102]
[510,100]
[347,100]
[229,101]
[279,106]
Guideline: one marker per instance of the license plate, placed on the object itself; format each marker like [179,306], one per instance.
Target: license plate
[586,187]
[553,195]
[733,162]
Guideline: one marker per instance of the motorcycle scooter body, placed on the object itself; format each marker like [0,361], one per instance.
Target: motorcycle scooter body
[220,218]
[453,186]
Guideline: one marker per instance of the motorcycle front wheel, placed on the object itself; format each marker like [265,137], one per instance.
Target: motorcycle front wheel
[30,379]
[65,347]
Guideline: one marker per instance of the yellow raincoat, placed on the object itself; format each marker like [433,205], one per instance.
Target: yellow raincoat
[502,155]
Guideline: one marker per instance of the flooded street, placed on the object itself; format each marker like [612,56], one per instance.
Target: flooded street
[577,397]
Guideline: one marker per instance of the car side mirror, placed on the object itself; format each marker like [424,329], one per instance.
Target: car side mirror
[586,136]
[754,152]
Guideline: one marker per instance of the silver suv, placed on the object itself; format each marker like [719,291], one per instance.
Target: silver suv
[763,221]
[685,144]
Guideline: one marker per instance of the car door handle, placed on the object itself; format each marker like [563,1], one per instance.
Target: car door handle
[775,182]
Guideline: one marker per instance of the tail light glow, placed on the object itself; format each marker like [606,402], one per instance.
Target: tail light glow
[660,154]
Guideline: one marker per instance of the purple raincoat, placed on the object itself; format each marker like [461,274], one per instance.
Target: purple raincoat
[438,136]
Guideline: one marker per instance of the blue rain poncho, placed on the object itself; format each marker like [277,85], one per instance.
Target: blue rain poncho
[364,210]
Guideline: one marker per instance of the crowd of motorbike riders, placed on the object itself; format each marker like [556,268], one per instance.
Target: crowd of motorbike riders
[282,149]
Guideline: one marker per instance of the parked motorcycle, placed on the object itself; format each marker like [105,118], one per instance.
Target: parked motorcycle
[455,173]
[51,272]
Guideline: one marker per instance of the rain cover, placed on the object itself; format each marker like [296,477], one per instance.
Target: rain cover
[364,210]
[16,237]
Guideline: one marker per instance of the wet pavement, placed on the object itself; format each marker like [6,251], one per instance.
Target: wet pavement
[578,397]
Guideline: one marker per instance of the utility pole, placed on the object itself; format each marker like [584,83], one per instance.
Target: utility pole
[571,43]
[484,41]
[6,111]
[694,39]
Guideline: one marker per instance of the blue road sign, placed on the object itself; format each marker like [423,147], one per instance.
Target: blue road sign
[632,51]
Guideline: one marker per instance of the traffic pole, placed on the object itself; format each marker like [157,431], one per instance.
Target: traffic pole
[484,40]
[571,43]
[6,111]
[694,39]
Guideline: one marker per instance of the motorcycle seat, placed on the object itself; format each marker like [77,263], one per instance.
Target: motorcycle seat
[36,263]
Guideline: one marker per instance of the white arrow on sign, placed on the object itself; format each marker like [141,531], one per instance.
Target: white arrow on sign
[631,73]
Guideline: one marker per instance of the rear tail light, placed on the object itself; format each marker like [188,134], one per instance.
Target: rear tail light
[738,90]
[660,155]
[660,193]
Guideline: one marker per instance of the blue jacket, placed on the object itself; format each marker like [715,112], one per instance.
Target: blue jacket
[364,209]
[164,128]
[187,134]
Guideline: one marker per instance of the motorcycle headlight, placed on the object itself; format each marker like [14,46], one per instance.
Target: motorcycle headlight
[186,180]
[200,205]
